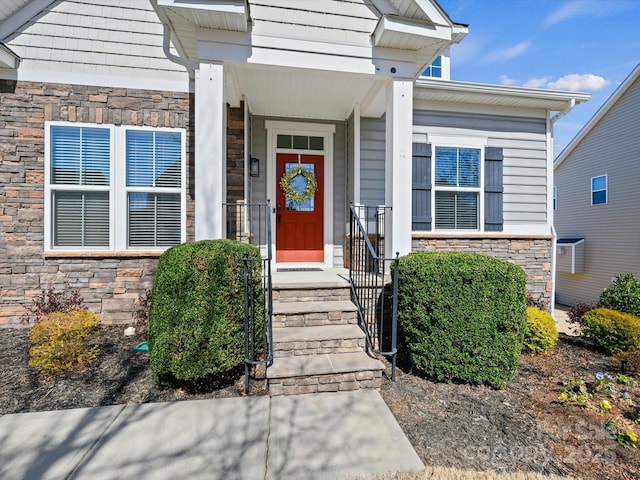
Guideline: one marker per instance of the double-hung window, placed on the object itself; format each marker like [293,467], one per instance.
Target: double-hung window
[457,188]
[113,187]
[599,190]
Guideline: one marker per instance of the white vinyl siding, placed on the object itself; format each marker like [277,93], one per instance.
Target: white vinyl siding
[113,187]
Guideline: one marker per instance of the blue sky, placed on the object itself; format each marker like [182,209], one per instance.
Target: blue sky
[582,45]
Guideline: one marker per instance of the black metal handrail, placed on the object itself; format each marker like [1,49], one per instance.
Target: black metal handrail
[251,223]
[374,280]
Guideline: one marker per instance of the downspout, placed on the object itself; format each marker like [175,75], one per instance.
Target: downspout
[554,242]
[166,47]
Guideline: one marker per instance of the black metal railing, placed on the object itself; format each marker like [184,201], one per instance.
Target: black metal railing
[374,280]
[251,223]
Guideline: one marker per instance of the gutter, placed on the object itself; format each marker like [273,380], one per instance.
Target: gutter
[166,47]
[562,113]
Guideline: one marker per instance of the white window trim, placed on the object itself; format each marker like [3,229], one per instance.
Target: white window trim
[606,189]
[325,130]
[117,189]
[457,142]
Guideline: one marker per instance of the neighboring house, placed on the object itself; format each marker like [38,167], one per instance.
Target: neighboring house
[126,126]
[597,198]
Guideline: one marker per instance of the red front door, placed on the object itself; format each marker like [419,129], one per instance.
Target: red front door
[299,225]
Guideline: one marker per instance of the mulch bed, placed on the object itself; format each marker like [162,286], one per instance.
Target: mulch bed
[522,427]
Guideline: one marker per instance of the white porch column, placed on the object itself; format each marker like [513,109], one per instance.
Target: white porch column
[398,142]
[210,151]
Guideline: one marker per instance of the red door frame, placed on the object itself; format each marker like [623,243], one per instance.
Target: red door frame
[300,235]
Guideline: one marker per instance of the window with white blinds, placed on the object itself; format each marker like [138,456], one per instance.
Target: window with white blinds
[154,173]
[457,188]
[114,188]
[80,176]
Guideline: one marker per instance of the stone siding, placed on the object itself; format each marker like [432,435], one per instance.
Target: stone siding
[532,254]
[110,284]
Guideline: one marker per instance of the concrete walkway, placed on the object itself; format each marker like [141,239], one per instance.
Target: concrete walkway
[319,436]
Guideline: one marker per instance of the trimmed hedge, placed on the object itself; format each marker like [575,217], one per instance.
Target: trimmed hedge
[462,316]
[196,318]
[611,331]
[541,333]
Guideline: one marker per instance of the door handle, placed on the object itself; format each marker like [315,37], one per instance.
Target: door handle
[279,217]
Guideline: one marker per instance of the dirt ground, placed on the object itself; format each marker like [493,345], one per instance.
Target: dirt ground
[520,428]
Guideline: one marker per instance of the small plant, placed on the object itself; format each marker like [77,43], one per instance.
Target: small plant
[574,393]
[540,334]
[634,414]
[623,295]
[64,341]
[624,436]
[51,300]
[537,302]
[611,331]
[142,313]
[605,406]
[578,311]
[625,380]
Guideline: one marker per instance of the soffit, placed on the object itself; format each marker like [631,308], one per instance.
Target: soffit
[298,93]
[485,94]
[9,7]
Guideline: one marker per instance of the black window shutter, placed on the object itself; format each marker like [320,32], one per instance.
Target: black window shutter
[493,216]
[421,185]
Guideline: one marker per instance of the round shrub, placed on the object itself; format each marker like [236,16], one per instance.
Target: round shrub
[541,333]
[462,316]
[63,341]
[623,295]
[196,317]
[611,331]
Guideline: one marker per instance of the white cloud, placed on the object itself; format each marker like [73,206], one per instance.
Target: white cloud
[596,8]
[506,80]
[536,82]
[576,81]
[568,10]
[510,52]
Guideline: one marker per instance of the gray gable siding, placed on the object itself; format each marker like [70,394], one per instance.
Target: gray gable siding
[524,145]
[99,38]
[611,231]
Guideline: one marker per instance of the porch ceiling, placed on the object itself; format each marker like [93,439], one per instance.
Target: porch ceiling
[301,93]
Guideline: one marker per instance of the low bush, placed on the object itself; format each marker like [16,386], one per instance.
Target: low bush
[623,295]
[611,331]
[541,333]
[196,318]
[64,341]
[536,301]
[462,316]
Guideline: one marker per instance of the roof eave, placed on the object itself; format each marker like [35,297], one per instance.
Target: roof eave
[548,99]
[8,59]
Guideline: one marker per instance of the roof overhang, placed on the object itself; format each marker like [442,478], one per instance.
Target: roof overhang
[408,34]
[498,95]
[231,15]
[8,59]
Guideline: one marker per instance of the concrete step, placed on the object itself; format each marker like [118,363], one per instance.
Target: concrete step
[324,373]
[292,341]
[314,313]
